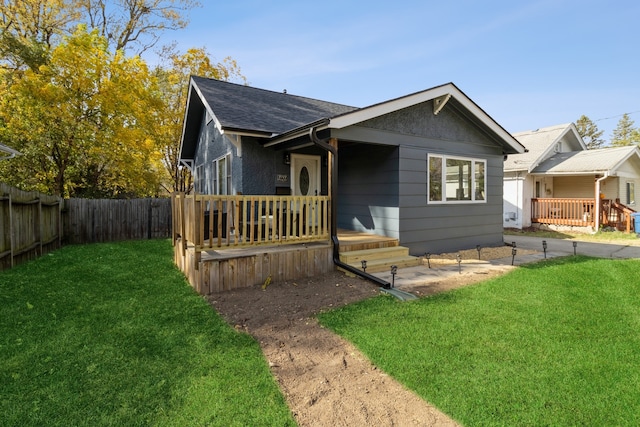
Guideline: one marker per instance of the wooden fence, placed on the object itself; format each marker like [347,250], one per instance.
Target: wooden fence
[107,220]
[30,225]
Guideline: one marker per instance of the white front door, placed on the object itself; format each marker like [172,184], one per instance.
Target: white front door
[305,181]
[305,175]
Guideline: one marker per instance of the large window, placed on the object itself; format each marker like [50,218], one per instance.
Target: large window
[222,175]
[456,179]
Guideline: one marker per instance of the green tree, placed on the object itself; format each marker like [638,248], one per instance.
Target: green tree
[589,132]
[625,133]
[81,123]
[174,81]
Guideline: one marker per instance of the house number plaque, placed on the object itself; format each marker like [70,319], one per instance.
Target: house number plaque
[282,178]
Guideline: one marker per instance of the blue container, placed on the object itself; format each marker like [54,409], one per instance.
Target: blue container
[636,221]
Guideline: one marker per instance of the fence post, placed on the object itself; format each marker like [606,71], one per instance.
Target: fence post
[11,231]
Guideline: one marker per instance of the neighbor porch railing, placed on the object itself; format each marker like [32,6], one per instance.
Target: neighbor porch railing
[617,215]
[581,212]
[577,212]
[209,222]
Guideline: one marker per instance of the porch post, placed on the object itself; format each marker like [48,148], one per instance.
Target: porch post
[333,184]
[598,204]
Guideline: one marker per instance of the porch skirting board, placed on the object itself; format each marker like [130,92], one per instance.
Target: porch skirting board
[215,271]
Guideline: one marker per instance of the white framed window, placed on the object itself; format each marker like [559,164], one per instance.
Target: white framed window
[222,175]
[452,179]
[199,179]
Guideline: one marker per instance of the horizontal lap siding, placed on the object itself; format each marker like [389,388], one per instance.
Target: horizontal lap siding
[447,227]
[414,133]
[368,189]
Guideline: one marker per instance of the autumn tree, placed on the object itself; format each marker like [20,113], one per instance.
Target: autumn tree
[174,81]
[589,132]
[29,28]
[80,122]
[136,25]
[625,133]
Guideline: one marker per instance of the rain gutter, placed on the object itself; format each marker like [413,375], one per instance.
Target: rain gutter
[334,212]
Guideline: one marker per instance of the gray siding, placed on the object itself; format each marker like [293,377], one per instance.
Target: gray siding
[368,189]
[448,227]
[403,211]
[255,171]
[213,145]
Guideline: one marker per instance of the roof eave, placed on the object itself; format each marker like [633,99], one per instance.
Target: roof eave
[297,132]
[376,110]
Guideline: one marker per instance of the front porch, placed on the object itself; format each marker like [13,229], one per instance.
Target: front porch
[581,212]
[229,242]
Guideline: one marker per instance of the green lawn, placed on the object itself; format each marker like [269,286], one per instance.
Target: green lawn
[112,335]
[554,343]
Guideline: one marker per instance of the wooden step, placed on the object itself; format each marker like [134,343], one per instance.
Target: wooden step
[352,257]
[378,265]
[356,241]
[380,259]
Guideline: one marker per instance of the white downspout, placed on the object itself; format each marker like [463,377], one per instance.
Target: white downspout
[597,212]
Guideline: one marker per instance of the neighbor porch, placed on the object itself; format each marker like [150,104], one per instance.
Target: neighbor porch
[581,212]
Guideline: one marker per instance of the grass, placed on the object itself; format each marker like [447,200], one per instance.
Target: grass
[554,343]
[112,335]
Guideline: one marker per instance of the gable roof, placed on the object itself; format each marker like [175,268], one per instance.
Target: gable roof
[264,112]
[588,162]
[540,144]
[278,117]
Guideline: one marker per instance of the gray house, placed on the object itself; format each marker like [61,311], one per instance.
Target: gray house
[426,168]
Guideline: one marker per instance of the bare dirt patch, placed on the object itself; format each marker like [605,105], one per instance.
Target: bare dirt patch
[325,379]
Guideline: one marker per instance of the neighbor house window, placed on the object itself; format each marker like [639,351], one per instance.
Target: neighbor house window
[631,193]
[456,179]
[222,175]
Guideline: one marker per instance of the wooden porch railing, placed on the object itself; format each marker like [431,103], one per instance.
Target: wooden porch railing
[580,212]
[210,222]
[617,215]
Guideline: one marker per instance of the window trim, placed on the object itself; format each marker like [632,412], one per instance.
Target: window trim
[443,179]
[216,174]
[631,193]
[199,179]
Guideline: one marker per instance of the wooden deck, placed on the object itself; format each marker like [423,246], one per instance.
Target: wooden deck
[221,269]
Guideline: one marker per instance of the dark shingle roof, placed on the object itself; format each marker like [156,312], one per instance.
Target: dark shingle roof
[247,108]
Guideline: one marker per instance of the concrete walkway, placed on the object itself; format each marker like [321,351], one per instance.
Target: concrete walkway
[600,250]
[406,278]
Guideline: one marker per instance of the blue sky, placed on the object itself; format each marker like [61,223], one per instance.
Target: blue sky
[528,64]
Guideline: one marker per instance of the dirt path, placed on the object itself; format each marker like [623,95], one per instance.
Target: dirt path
[325,379]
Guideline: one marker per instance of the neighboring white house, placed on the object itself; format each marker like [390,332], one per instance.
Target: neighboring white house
[559,181]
